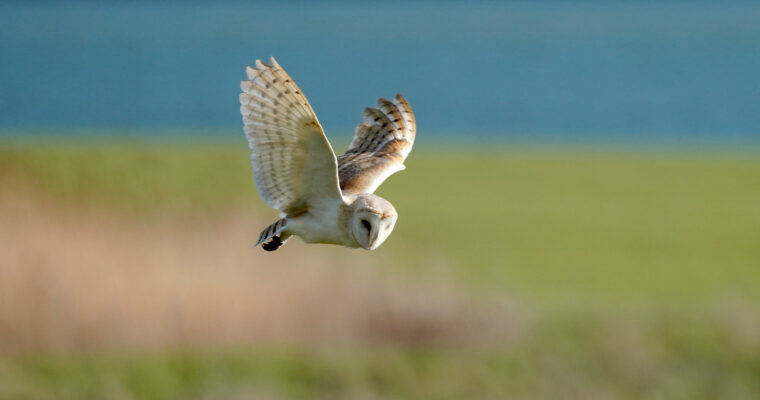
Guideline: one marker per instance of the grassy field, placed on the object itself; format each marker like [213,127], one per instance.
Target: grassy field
[608,226]
[127,272]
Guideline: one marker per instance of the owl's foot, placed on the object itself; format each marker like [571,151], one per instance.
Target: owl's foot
[273,244]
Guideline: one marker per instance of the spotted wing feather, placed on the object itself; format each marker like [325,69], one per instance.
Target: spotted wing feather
[271,231]
[292,161]
[381,144]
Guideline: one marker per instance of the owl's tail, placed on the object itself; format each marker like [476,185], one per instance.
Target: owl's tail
[270,238]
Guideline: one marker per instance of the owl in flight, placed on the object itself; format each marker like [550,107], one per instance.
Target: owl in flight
[321,198]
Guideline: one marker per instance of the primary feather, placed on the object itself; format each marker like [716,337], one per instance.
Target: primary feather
[291,158]
[380,146]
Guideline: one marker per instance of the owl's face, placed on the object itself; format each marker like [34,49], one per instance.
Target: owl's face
[373,223]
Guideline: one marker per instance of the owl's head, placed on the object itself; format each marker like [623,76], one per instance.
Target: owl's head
[372,220]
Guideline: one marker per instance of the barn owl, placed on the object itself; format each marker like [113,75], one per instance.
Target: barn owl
[321,198]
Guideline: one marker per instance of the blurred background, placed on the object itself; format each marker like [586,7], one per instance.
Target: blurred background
[579,217]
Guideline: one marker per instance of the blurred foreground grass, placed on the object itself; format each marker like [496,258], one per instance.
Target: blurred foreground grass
[662,356]
[626,275]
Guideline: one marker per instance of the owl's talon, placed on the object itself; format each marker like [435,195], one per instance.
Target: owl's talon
[273,244]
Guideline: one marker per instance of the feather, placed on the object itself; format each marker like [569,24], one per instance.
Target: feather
[271,231]
[381,144]
[292,161]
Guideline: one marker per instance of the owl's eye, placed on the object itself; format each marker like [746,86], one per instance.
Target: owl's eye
[366,225]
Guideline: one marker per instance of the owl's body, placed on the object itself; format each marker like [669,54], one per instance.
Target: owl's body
[324,223]
[321,198]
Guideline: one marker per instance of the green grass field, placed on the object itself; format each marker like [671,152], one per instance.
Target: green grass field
[665,357]
[634,275]
[604,227]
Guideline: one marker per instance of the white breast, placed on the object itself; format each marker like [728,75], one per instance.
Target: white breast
[324,223]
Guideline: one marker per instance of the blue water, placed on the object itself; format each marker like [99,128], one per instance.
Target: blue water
[630,70]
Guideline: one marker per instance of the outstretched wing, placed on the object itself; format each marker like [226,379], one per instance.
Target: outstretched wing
[380,146]
[293,163]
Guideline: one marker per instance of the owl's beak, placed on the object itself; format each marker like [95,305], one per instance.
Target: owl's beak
[373,242]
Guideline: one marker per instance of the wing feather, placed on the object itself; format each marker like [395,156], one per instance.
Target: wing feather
[293,163]
[381,144]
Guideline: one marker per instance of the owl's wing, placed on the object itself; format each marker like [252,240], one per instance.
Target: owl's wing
[380,146]
[293,163]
